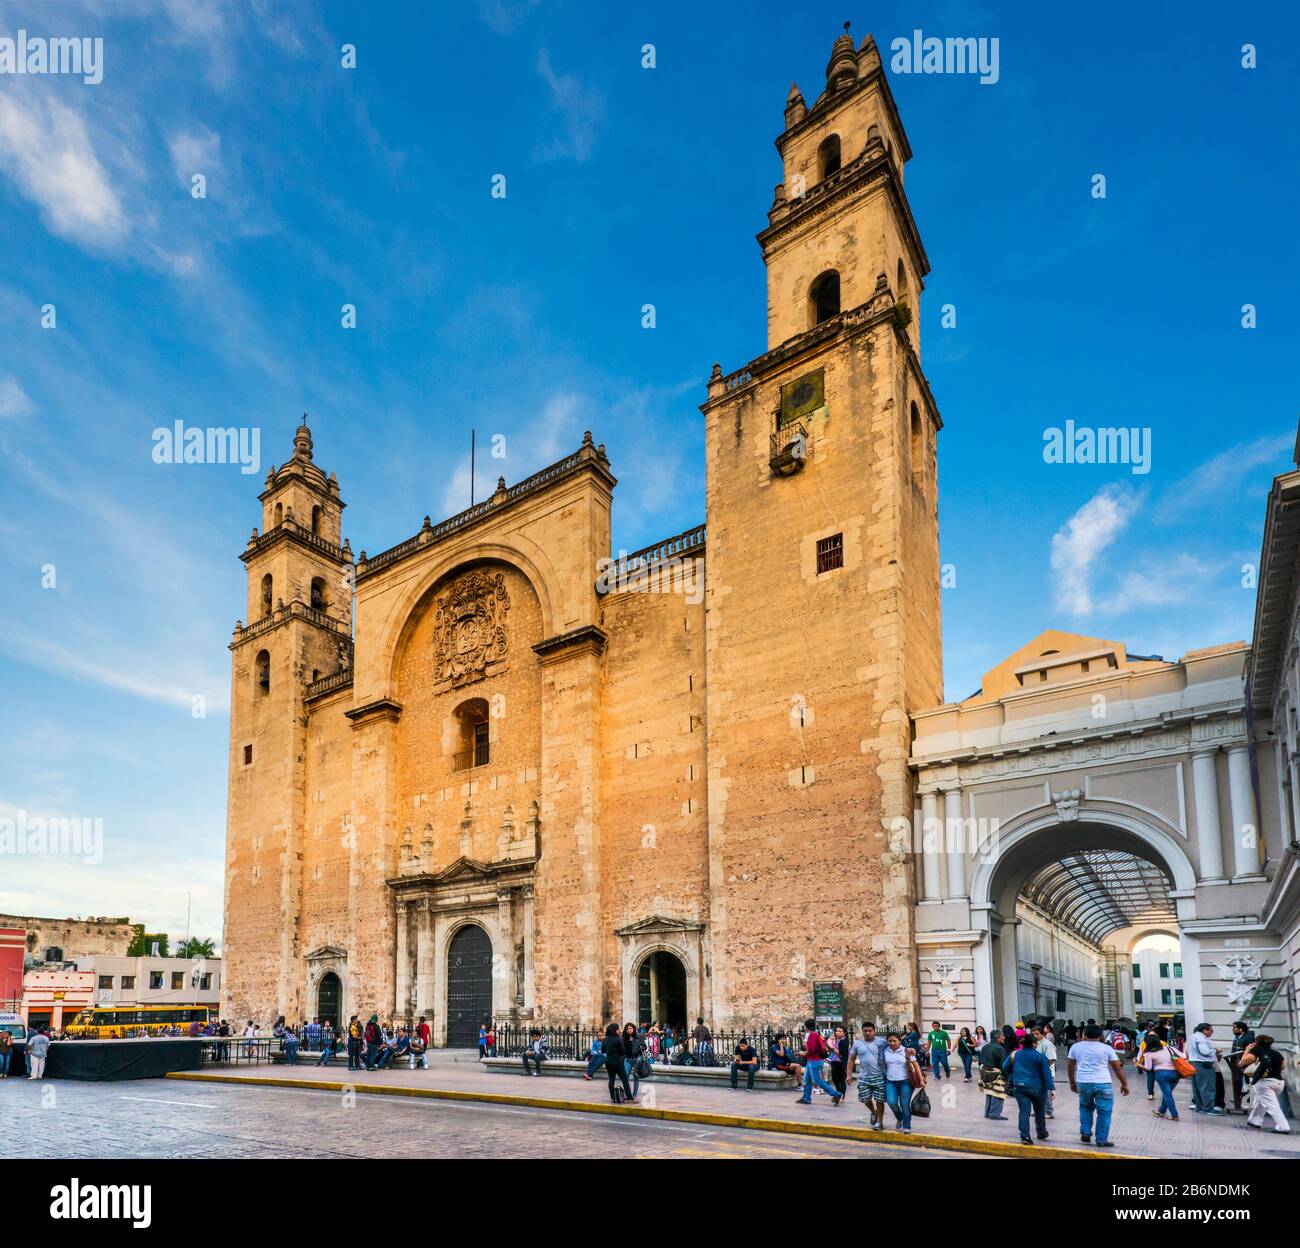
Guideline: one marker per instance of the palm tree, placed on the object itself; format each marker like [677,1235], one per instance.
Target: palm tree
[196,948]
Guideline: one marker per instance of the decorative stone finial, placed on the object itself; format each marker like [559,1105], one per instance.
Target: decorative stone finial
[302,441]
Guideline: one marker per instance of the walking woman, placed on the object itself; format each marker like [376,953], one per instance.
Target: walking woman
[966,1049]
[1263,1066]
[901,1068]
[613,1047]
[839,1059]
[1159,1058]
[633,1048]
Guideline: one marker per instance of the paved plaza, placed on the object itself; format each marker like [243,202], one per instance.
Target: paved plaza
[958,1108]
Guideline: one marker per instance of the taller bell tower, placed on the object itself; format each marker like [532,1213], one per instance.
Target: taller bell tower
[822,591]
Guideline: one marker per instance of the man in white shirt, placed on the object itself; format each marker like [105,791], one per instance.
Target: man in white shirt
[1089,1064]
[1204,1056]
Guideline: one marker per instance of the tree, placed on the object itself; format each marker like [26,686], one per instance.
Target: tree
[196,948]
[142,945]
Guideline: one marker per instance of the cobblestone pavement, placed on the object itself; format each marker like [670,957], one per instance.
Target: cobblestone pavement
[958,1108]
[173,1118]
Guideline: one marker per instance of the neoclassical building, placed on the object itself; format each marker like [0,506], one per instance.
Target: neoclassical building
[483,772]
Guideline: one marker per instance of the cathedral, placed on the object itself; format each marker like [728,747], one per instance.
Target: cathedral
[491,772]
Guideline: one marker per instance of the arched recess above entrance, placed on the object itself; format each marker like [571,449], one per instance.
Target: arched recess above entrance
[406,613]
[1125,939]
[1028,844]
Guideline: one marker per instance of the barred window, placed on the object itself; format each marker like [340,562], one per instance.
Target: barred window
[830,553]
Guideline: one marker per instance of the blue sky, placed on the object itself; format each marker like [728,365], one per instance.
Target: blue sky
[522,316]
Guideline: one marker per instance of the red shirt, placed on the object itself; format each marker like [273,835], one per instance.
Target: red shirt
[815,1046]
[423,1030]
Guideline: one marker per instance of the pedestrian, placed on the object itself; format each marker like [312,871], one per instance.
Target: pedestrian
[1043,1043]
[744,1059]
[1030,1080]
[38,1046]
[482,1041]
[425,1033]
[992,1081]
[866,1056]
[1141,1064]
[1264,1066]
[290,1042]
[981,1037]
[419,1051]
[355,1036]
[966,1049]
[814,1054]
[1204,1058]
[374,1038]
[614,1068]
[633,1049]
[6,1052]
[838,1059]
[911,1039]
[903,1073]
[1241,1037]
[1160,1058]
[1071,1031]
[537,1052]
[327,1041]
[938,1038]
[1089,1064]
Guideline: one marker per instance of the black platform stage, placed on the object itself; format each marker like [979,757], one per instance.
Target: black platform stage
[122,1059]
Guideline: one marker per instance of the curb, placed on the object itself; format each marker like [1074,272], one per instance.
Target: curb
[864,1135]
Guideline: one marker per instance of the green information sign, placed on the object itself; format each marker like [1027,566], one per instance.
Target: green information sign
[1261,1001]
[828,1001]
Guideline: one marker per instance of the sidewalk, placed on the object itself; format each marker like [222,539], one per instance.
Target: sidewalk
[957,1113]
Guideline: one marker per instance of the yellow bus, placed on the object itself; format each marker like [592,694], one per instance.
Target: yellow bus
[107,1022]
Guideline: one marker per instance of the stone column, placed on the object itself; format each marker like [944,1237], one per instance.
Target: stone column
[955,842]
[503,959]
[423,959]
[1208,834]
[530,905]
[402,1003]
[1245,834]
[931,842]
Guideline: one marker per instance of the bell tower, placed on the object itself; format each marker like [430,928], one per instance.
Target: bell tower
[822,577]
[298,630]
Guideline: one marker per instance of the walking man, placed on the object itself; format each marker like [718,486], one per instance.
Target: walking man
[815,1053]
[939,1050]
[1241,1037]
[1089,1064]
[1205,1058]
[38,1047]
[867,1058]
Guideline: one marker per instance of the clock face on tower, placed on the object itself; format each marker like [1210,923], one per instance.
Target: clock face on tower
[802,397]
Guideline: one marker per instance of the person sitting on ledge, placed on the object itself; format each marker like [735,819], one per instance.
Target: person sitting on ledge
[537,1051]
[746,1059]
[781,1057]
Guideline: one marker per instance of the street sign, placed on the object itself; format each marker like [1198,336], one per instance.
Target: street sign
[828,1001]
[1261,1001]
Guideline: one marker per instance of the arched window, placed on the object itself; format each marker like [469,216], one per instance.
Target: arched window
[262,673]
[279,514]
[824,297]
[902,281]
[828,157]
[918,443]
[873,134]
[266,594]
[473,744]
[318,601]
[315,521]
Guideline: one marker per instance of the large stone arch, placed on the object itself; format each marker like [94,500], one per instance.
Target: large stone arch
[1031,841]
[532,564]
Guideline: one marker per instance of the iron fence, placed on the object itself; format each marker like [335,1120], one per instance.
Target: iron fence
[575,1043]
[238,1050]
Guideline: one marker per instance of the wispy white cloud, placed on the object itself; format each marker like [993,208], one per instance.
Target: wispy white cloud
[578,109]
[504,17]
[45,149]
[1178,580]
[1223,478]
[14,402]
[195,150]
[1078,545]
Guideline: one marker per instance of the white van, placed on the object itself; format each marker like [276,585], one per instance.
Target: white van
[14,1025]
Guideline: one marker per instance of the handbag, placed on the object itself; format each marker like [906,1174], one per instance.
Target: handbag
[642,1068]
[920,1104]
[1184,1067]
[915,1076]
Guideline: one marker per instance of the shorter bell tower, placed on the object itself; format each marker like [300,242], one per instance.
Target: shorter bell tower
[298,631]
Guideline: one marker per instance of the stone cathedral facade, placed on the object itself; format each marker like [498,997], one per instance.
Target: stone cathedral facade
[486,773]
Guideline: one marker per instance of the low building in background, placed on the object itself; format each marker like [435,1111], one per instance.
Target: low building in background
[154,981]
[52,995]
[59,940]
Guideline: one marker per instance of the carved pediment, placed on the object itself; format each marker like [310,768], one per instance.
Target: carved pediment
[658,923]
[462,869]
[324,952]
[469,633]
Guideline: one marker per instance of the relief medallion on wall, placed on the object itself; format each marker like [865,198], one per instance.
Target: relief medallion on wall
[469,634]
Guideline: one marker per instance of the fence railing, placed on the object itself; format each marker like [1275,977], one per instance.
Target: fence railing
[576,1043]
[239,1051]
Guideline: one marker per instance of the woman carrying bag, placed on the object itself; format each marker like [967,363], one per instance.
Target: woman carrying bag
[1162,1060]
[903,1075]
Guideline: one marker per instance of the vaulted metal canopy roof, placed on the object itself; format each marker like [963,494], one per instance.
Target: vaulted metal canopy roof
[1099,891]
